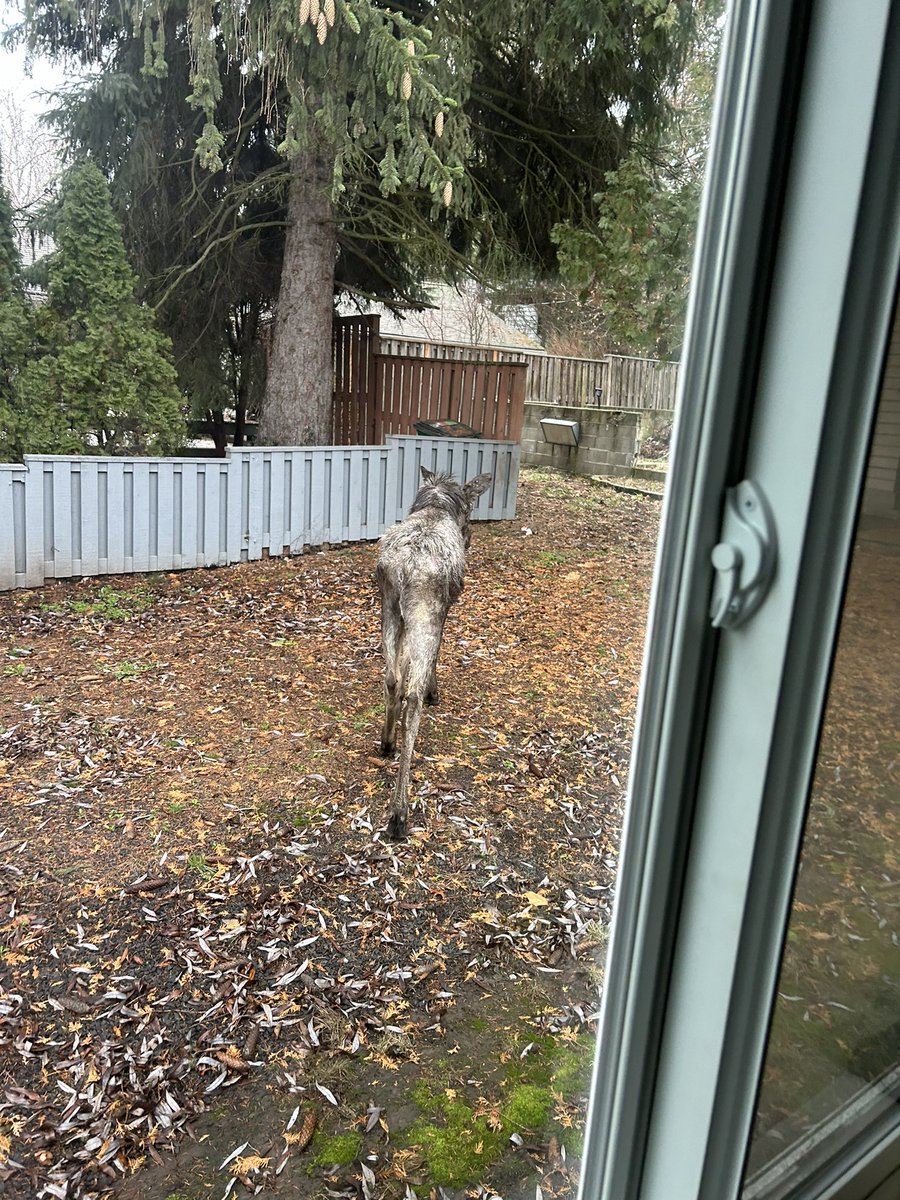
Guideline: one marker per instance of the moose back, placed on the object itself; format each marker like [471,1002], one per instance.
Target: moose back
[421,562]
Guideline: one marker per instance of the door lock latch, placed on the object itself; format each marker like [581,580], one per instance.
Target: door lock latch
[744,558]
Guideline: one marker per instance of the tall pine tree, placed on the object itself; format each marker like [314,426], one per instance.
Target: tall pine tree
[633,262]
[482,125]
[101,378]
[507,114]
[15,333]
[206,246]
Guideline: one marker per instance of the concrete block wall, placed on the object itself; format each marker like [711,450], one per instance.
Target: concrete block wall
[607,442]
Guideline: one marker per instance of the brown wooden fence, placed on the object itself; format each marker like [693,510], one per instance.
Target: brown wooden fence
[376,394]
[489,396]
[385,385]
[354,346]
[617,381]
[576,381]
[465,351]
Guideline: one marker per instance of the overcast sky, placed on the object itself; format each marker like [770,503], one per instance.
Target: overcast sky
[28,152]
[26,87]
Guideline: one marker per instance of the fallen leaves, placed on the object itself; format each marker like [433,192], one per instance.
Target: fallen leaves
[194,897]
[327,1093]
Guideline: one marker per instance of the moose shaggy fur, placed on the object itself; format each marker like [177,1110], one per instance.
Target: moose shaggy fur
[420,568]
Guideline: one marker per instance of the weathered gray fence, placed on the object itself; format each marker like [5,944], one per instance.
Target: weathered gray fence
[409,346]
[70,516]
[640,383]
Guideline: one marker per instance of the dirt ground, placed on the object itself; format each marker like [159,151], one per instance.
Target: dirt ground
[216,977]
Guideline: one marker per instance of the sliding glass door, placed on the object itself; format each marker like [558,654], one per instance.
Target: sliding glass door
[832,1069]
[721,975]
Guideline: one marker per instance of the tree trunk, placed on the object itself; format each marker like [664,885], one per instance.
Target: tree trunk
[219,436]
[240,422]
[297,406]
[242,337]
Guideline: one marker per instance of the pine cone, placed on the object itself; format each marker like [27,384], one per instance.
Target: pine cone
[232,1059]
[301,1139]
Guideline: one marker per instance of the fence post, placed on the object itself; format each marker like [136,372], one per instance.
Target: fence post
[355,344]
[34,521]
[515,416]
[9,532]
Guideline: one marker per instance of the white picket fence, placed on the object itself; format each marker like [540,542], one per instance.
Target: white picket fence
[63,516]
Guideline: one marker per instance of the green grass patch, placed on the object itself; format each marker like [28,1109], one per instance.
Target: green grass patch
[459,1147]
[573,1067]
[425,1094]
[199,866]
[109,604]
[128,670]
[532,1083]
[553,558]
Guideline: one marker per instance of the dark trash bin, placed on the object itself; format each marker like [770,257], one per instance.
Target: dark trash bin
[448,428]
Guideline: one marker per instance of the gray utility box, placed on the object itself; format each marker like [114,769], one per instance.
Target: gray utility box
[562,433]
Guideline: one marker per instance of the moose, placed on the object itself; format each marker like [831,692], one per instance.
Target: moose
[419,573]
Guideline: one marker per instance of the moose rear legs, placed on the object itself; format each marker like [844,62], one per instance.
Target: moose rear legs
[391,637]
[398,811]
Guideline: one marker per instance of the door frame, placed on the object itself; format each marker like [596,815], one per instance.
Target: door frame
[795,278]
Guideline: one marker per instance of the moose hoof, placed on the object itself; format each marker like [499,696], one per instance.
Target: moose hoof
[433,698]
[386,749]
[396,829]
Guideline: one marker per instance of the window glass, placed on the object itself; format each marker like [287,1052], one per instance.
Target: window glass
[833,1060]
[217,975]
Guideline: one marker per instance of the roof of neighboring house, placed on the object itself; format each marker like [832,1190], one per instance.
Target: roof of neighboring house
[457,315]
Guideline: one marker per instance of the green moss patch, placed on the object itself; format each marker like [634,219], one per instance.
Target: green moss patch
[458,1150]
[528,1108]
[336,1150]
[572,1068]
[461,1141]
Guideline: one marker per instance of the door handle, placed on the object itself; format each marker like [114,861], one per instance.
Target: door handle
[744,557]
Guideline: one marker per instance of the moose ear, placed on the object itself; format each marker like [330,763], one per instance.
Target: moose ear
[427,476]
[476,486]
